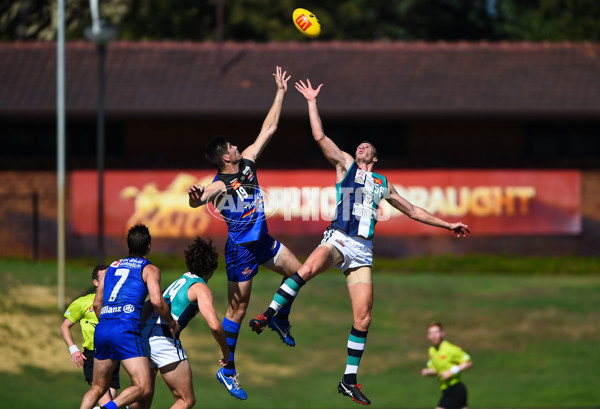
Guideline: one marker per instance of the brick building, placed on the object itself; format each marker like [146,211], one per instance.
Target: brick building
[425,105]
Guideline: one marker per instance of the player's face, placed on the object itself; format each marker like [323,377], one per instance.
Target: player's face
[435,335]
[365,153]
[234,153]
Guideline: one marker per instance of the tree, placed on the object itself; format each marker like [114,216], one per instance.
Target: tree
[34,19]
[267,20]
[167,19]
[549,20]
[446,20]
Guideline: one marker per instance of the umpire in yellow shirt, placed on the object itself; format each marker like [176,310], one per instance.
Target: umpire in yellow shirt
[447,361]
[82,310]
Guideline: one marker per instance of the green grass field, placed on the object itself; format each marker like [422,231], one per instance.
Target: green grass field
[533,337]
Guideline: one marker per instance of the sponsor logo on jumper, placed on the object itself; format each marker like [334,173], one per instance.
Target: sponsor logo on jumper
[110,310]
[128,308]
[362,211]
[131,263]
[360,176]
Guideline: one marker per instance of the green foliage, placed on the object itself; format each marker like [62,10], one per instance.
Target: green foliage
[264,20]
[445,20]
[35,19]
[550,20]
[164,19]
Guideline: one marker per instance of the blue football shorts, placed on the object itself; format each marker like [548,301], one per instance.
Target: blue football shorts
[118,340]
[242,260]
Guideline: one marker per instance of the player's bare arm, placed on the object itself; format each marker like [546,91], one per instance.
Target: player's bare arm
[334,155]
[201,294]
[461,367]
[99,297]
[77,357]
[147,310]
[200,195]
[269,126]
[428,372]
[419,214]
[151,276]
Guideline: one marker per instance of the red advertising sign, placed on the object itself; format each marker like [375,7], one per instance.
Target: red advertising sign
[491,202]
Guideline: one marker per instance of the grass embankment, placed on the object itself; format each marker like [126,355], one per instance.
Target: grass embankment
[530,327]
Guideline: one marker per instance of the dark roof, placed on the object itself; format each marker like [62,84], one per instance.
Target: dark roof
[361,78]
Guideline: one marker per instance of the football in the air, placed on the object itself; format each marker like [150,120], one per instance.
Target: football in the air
[307,23]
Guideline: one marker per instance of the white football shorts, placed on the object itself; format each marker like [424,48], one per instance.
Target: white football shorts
[357,251]
[164,350]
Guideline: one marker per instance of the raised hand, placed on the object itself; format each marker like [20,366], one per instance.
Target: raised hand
[280,79]
[195,192]
[307,90]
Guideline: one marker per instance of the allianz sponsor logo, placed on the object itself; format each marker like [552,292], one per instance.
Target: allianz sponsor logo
[128,308]
[110,310]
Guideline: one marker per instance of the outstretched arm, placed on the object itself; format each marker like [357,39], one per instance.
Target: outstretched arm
[422,215]
[338,158]
[201,294]
[269,126]
[200,195]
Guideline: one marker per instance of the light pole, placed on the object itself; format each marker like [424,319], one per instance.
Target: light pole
[101,34]
[60,151]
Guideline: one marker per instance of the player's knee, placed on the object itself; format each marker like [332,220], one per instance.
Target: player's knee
[238,313]
[307,271]
[99,387]
[304,272]
[190,402]
[145,392]
[184,400]
[362,320]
